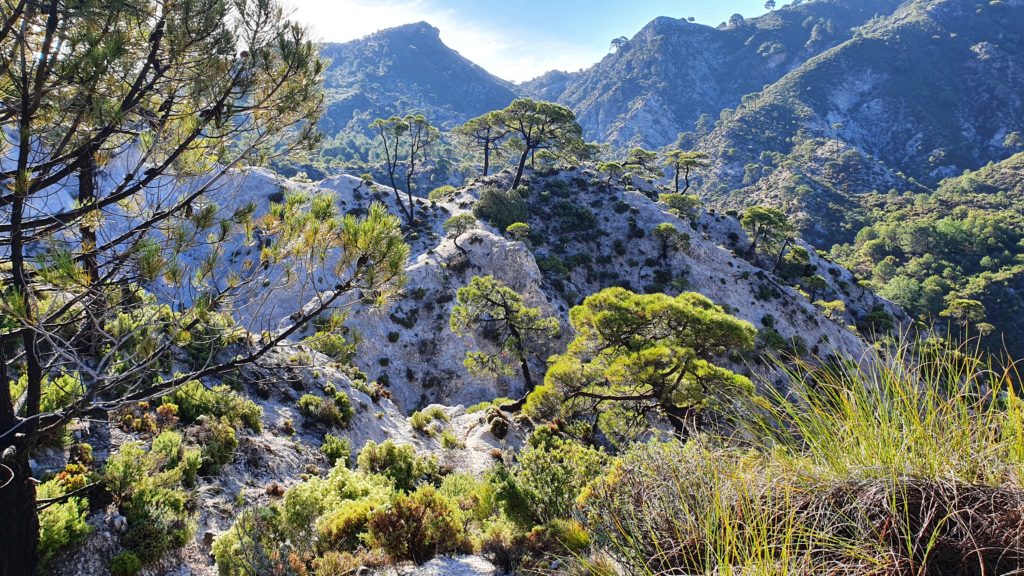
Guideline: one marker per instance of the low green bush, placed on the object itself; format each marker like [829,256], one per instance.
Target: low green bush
[542,485]
[148,493]
[61,524]
[336,411]
[341,529]
[501,207]
[398,462]
[336,449]
[195,400]
[415,527]
[218,441]
[125,564]
[421,420]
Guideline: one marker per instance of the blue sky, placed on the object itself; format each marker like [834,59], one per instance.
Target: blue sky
[516,40]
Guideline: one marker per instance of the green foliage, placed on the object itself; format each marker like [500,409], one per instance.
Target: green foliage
[336,411]
[336,449]
[502,208]
[125,564]
[643,163]
[399,462]
[458,225]
[218,441]
[961,242]
[406,142]
[846,448]
[541,126]
[544,403]
[61,524]
[766,227]
[489,307]
[195,400]
[449,441]
[422,420]
[146,490]
[636,355]
[333,339]
[482,406]
[670,239]
[442,193]
[681,204]
[316,520]
[543,484]
[614,170]
[518,231]
[683,163]
[418,526]
[342,528]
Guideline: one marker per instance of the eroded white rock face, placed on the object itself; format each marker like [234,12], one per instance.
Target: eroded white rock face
[458,566]
[413,344]
[410,347]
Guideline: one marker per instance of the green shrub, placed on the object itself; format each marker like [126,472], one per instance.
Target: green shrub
[449,441]
[907,442]
[503,544]
[475,496]
[336,449]
[305,505]
[168,447]
[337,564]
[340,530]
[195,400]
[421,420]
[61,524]
[418,526]
[567,534]
[441,193]
[518,231]
[252,538]
[398,462]
[482,406]
[544,403]
[501,207]
[125,564]
[335,411]
[218,441]
[148,494]
[543,484]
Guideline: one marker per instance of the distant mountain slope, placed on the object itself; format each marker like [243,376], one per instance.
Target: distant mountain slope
[961,242]
[924,94]
[401,70]
[672,72]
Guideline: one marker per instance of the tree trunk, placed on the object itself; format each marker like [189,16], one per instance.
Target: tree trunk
[527,379]
[686,177]
[86,197]
[782,253]
[29,341]
[683,420]
[520,169]
[752,250]
[19,531]
[487,157]
[677,181]
[409,175]
[398,195]
[90,261]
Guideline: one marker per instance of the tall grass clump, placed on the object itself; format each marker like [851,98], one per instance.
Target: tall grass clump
[908,463]
[932,410]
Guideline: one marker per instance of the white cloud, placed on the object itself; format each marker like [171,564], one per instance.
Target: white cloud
[506,54]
